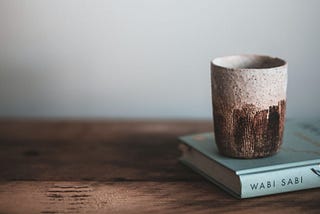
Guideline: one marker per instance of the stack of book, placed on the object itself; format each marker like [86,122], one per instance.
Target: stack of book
[295,167]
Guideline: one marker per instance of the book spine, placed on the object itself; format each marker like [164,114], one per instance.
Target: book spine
[280,181]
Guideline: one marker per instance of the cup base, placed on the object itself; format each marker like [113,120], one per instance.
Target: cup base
[249,156]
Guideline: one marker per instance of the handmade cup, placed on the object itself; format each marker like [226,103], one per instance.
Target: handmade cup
[249,104]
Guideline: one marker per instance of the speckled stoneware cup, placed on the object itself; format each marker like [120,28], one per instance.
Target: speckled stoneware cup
[249,104]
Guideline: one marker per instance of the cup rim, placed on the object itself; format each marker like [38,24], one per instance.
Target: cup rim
[276,63]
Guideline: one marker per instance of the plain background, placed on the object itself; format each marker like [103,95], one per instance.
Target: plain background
[146,59]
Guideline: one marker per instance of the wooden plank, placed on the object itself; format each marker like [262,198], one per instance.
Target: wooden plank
[115,167]
[94,150]
[146,197]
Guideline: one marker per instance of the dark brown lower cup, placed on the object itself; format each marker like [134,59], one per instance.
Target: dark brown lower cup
[250,133]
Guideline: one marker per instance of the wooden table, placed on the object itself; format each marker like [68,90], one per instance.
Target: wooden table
[116,167]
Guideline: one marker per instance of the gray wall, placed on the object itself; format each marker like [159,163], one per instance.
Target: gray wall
[146,59]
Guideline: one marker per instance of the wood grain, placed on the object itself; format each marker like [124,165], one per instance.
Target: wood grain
[115,167]
[99,151]
[137,197]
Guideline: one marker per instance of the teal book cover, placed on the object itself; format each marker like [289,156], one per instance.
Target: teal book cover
[296,163]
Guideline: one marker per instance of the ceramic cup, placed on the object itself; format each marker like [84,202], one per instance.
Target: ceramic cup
[249,104]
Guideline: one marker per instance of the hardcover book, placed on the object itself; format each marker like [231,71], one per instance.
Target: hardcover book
[295,167]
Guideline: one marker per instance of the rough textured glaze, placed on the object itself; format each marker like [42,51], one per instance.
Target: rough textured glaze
[255,133]
[249,99]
